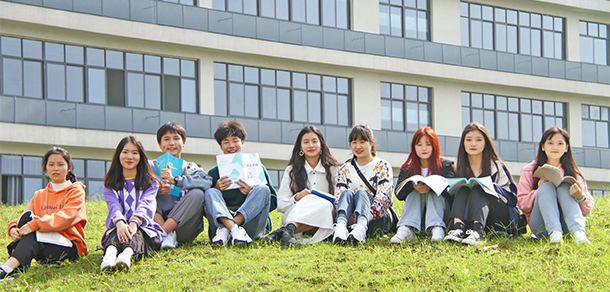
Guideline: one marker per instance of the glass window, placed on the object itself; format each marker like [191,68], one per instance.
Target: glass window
[404,107]
[512,31]
[595,126]
[281,95]
[594,43]
[409,19]
[68,70]
[333,13]
[509,118]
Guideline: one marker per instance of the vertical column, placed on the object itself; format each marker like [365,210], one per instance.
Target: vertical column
[572,38]
[447,109]
[365,15]
[366,104]
[206,86]
[575,122]
[445,21]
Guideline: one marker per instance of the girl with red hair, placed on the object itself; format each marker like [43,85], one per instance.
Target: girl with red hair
[423,209]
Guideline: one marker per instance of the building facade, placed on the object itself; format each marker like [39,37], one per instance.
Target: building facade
[82,74]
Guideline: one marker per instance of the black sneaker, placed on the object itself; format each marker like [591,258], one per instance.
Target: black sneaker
[288,239]
[475,237]
[275,235]
[4,276]
[456,235]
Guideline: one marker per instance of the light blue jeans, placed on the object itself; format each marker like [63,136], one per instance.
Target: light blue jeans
[255,210]
[356,203]
[555,209]
[427,208]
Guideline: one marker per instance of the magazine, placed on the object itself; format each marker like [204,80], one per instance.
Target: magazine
[324,195]
[244,166]
[436,183]
[175,164]
[554,175]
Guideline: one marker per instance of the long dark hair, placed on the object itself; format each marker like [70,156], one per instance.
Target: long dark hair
[362,132]
[144,178]
[413,163]
[58,150]
[298,175]
[489,153]
[567,160]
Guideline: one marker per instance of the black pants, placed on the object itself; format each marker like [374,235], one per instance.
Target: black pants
[474,204]
[27,248]
[140,242]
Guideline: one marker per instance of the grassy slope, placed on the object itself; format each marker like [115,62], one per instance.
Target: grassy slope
[515,264]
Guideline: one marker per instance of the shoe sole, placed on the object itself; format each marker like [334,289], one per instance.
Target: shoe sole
[239,243]
[453,238]
[219,243]
[168,246]
[355,241]
[107,269]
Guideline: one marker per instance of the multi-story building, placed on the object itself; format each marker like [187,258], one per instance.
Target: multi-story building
[82,74]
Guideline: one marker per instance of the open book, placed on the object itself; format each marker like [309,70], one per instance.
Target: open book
[244,166]
[175,165]
[324,195]
[554,175]
[455,184]
[53,237]
[436,183]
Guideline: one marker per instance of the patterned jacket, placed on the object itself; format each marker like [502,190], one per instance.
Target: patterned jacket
[380,177]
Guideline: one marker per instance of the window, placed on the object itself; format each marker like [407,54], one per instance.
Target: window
[600,193]
[405,18]
[21,177]
[404,107]
[511,118]
[74,73]
[333,13]
[186,2]
[281,95]
[594,43]
[595,126]
[506,30]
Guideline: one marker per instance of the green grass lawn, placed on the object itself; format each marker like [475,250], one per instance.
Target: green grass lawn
[503,265]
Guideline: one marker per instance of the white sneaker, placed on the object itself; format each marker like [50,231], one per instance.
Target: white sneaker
[403,233]
[438,233]
[580,237]
[222,237]
[169,241]
[340,234]
[108,263]
[358,234]
[556,237]
[474,238]
[240,236]
[123,262]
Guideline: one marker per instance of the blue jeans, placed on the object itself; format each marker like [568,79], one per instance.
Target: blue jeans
[356,203]
[555,209]
[255,210]
[425,208]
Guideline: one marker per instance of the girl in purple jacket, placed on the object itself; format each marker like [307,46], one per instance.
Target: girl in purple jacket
[130,188]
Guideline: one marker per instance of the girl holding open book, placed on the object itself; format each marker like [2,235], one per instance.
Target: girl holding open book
[554,210]
[364,188]
[424,210]
[51,229]
[307,217]
[130,190]
[489,207]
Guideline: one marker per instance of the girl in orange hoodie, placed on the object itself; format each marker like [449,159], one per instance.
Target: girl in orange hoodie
[51,229]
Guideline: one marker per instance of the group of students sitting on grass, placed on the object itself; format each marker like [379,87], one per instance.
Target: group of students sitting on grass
[144,217]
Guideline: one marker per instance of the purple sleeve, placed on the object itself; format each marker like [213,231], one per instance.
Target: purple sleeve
[115,210]
[145,210]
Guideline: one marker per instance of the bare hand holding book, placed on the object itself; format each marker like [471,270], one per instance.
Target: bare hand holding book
[554,175]
[436,183]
